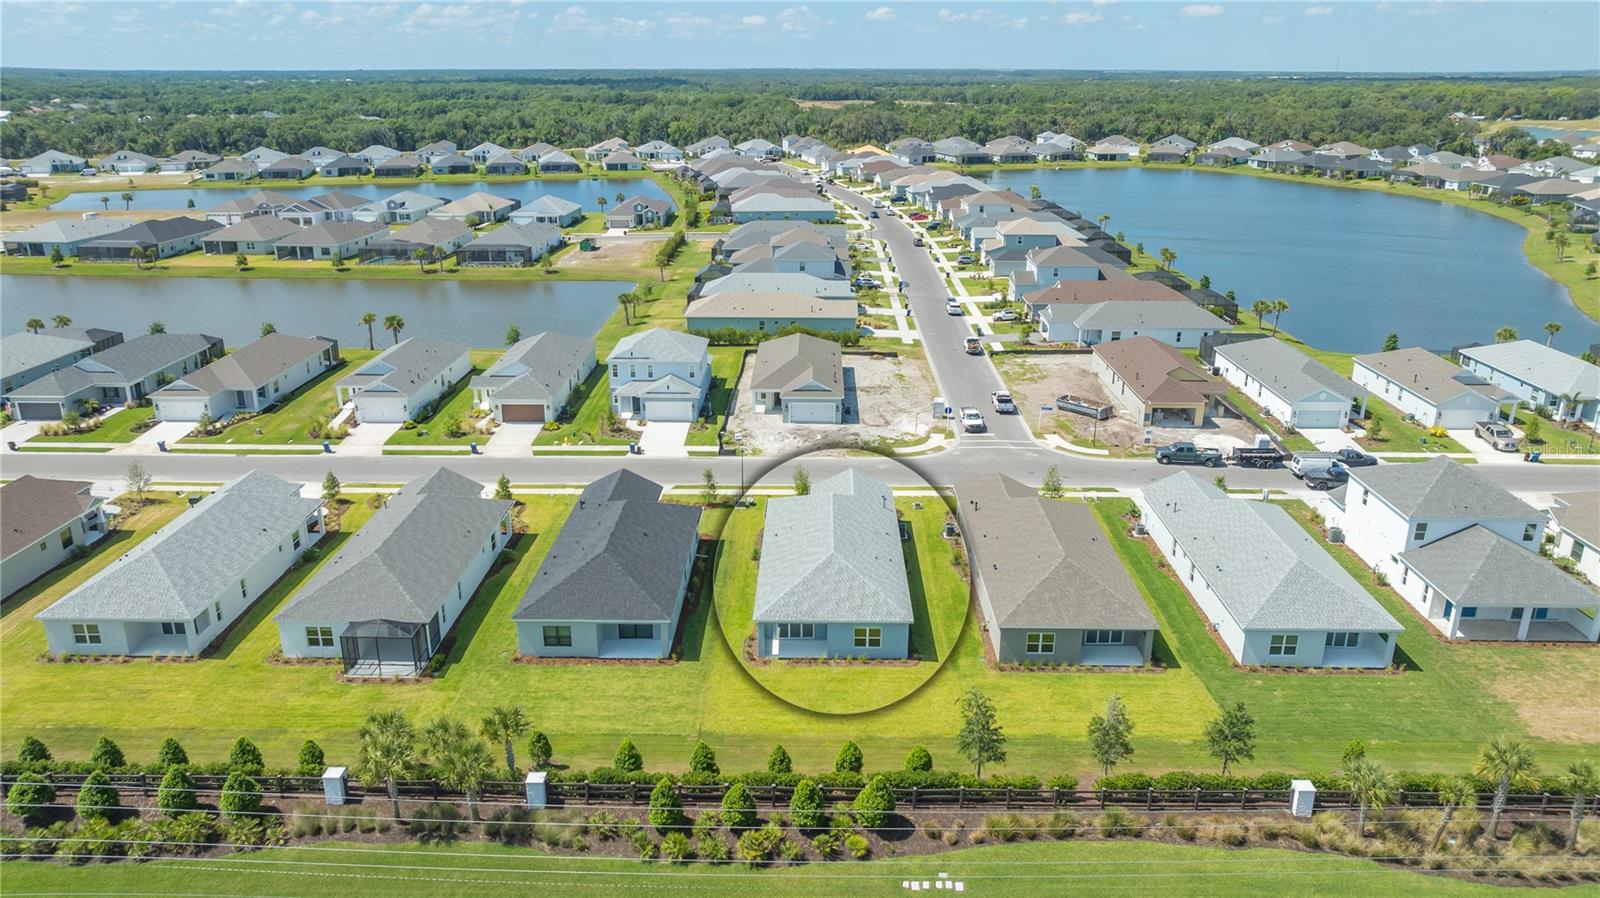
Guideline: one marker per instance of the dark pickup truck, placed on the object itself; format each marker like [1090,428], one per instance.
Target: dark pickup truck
[1258,457]
[1188,454]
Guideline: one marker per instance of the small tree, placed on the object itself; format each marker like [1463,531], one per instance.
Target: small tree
[1355,751]
[1582,783]
[980,739]
[107,754]
[627,757]
[1590,270]
[61,320]
[1454,793]
[505,724]
[388,753]
[1551,328]
[738,808]
[806,805]
[919,760]
[1374,426]
[394,324]
[156,327]
[1111,735]
[1532,430]
[32,751]
[849,759]
[1504,762]
[778,760]
[244,757]
[802,481]
[539,750]
[127,201]
[338,261]
[709,494]
[666,808]
[704,760]
[1231,737]
[1052,483]
[464,766]
[1505,334]
[1261,308]
[138,481]
[97,798]
[1391,342]
[513,335]
[370,319]
[176,795]
[311,761]
[55,257]
[331,487]
[502,488]
[171,754]
[874,804]
[241,797]
[30,796]
[1371,786]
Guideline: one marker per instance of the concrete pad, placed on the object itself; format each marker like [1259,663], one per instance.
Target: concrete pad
[19,432]
[1482,452]
[168,432]
[511,440]
[367,439]
[664,438]
[1331,439]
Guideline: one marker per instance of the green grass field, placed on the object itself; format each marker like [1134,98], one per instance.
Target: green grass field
[117,428]
[287,423]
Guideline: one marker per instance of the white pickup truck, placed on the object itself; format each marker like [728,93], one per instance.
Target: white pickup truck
[1002,402]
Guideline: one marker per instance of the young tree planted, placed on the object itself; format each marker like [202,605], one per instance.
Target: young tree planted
[919,759]
[107,754]
[1052,483]
[171,754]
[506,724]
[138,481]
[387,753]
[1582,783]
[1506,763]
[30,797]
[849,759]
[539,750]
[627,758]
[704,760]
[1454,793]
[241,797]
[778,760]
[1111,735]
[310,761]
[246,758]
[980,739]
[802,481]
[331,487]
[806,805]
[177,792]
[464,767]
[738,808]
[1231,737]
[874,803]
[666,808]
[369,319]
[513,335]
[97,798]
[502,488]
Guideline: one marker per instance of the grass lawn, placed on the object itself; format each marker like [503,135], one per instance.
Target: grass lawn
[117,428]
[590,401]
[1559,440]
[287,423]
[1102,868]
[1294,442]
[939,609]
[452,405]
[726,364]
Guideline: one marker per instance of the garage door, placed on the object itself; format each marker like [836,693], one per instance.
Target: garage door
[1459,418]
[180,409]
[1317,418]
[38,411]
[669,410]
[811,412]
[518,412]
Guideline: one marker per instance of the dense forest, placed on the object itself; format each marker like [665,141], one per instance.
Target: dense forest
[162,113]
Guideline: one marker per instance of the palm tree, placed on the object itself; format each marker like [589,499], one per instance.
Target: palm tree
[1505,334]
[394,324]
[369,318]
[388,753]
[1167,258]
[127,201]
[105,203]
[421,255]
[464,766]
[1454,793]
[1504,762]
[624,300]
[1561,240]
[601,202]
[1103,219]
[1261,308]
[34,325]
[1583,783]
[156,327]
[620,196]
[505,724]
[1551,328]
[439,736]
[61,320]
[1371,786]
[1279,306]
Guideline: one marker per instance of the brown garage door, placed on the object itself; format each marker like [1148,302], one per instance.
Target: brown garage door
[522,412]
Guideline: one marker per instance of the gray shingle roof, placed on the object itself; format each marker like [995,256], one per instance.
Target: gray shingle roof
[797,306]
[661,345]
[156,230]
[531,235]
[530,370]
[789,363]
[69,230]
[1477,566]
[1579,514]
[1266,570]
[1549,369]
[32,508]
[833,556]
[1442,488]
[192,561]
[249,367]
[429,232]
[1285,370]
[550,205]
[780,282]
[402,366]
[255,228]
[1425,374]
[24,350]
[1046,563]
[333,233]
[620,556]
[121,364]
[406,561]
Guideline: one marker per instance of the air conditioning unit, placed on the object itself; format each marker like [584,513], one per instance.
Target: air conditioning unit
[1335,534]
[1139,529]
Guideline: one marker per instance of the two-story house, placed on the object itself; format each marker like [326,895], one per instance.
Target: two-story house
[659,375]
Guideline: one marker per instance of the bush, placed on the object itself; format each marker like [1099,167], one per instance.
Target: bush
[628,758]
[857,845]
[712,847]
[436,820]
[1124,782]
[510,826]
[539,750]
[1062,781]
[874,804]
[757,845]
[97,798]
[666,808]
[29,796]
[245,758]
[703,760]
[778,761]
[107,754]
[643,845]
[176,795]
[604,825]
[32,751]
[1273,781]
[738,808]
[1117,822]
[171,754]
[806,806]
[675,847]
[241,797]
[919,759]
[311,761]
[849,759]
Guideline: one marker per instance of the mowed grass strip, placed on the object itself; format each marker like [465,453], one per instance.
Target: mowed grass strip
[287,423]
[114,428]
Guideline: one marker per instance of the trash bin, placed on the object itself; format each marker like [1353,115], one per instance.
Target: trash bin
[473,448]
[1534,457]
[633,448]
[327,446]
[12,445]
[161,445]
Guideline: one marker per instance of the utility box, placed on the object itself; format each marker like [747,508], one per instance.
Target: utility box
[942,409]
[1302,798]
[535,787]
[334,782]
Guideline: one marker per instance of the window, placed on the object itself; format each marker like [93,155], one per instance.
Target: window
[1180,337]
[1577,551]
[650,372]
[1516,613]
[558,636]
[86,634]
[66,537]
[174,628]
[636,631]
[1284,644]
[614,369]
[1041,644]
[797,631]
[1342,640]
[1421,533]
[1529,531]
[296,540]
[633,372]
[1469,611]
[319,637]
[1541,613]
[1102,637]
[868,637]
[201,622]
[244,591]
[216,608]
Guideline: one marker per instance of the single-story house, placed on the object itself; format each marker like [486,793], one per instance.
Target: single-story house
[52,162]
[189,160]
[1155,384]
[549,210]
[405,165]
[1181,324]
[533,151]
[486,206]
[330,240]
[125,372]
[1568,387]
[959,150]
[613,583]
[385,603]
[46,523]
[257,235]
[639,211]
[659,375]
[800,377]
[770,313]
[261,202]
[177,591]
[605,148]
[1576,521]
[65,234]
[1271,592]
[511,244]
[1289,385]
[621,160]
[831,581]
[231,170]
[1110,152]
[250,379]
[167,236]
[706,145]
[452,164]
[400,383]
[741,280]
[320,155]
[437,150]
[1429,389]
[377,154]
[532,381]
[405,207]
[768,205]
[912,151]
[558,161]
[505,164]
[289,168]
[1050,584]
[263,156]
[438,237]
[658,151]
[26,356]
[341,166]
[128,162]
[758,148]
[485,151]
[1168,154]
[1222,157]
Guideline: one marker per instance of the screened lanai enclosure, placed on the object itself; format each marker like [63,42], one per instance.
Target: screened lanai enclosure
[386,648]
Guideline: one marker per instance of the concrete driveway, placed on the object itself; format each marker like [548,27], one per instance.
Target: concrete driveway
[664,439]
[367,439]
[511,440]
[168,432]
[1331,439]
[1482,452]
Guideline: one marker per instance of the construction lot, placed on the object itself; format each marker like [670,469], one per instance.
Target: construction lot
[887,398]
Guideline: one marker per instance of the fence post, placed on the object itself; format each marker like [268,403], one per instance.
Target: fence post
[1008,798]
[1149,798]
[1055,797]
[961,796]
[1244,799]
[1544,802]
[1197,798]
[913,798]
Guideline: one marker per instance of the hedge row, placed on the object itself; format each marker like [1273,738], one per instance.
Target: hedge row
[1324,781]
[898,779]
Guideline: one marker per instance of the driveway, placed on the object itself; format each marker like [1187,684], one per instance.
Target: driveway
[511,440]
[367,439]
[1482,452]
[1331,439]
[19,432]
[168,432]
[664,439]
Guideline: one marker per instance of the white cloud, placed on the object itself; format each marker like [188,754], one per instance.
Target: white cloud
[753,21]
[576,20]
[1272,20]
[1319,11]
[1201,10]
[985,16]
[1431,8]
[1081,17]
[881,14]
[800,21]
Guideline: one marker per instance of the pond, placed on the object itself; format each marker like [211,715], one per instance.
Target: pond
[474,313]
[585,191]
[1354,265]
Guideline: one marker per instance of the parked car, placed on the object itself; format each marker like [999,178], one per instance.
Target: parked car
[919,216]
[1007,315]
[1348,457]
[973,346]
[1497,435]
[88,173]
[951,307]
[918,242]
[877,204]
[1258,456]
[873,214]
[1079,405]
[972,420]
[1326,478]
[1188,454]
[1002,402]
[866,281]
[963,259]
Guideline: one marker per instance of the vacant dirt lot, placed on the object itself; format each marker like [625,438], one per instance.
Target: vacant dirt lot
[1037,379]
[885,399]
[614,253]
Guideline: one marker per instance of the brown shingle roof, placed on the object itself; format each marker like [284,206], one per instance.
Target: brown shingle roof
[35,507]
[1156,372]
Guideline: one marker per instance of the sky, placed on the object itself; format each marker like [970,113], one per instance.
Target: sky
[1322,35]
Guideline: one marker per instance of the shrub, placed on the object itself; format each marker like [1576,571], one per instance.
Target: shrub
[857,845]
[919,759]
[1274,781]
[97,798]
[628,757]
[176,795]
[675,847]
[1118,822]
[539,749]
[241,797]
[245,758]
[778,761]
[806,806]
[757,845]
[1124,782]
[32,751]
[826,844]
[643,845]
[509,826]
[604,825]
[712,847]
[874,804]
[311,761]
[107,754]
[1060,825]
[436,821]
[849,759]
[704,759]
[1064,781]
[29,796]
[666,809]
[171,754]
[738,808]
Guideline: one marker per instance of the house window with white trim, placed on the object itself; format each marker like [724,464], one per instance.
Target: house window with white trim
[1530,532]
[216,608]
[1041,644]
[868,637]
[296,540]
[1577,551]
[244,590]
[1342,640]
[86,634]
[1103,637]
[797,631]
[557,636]
[636,631]
[174,628]
[1284,644]
[1421,532]
[319,637]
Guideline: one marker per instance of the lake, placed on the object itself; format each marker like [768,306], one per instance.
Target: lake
[1354,265]
[473,313]
[1538,132]
[584,191]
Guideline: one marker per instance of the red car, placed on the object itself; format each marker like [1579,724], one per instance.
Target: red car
[919,216]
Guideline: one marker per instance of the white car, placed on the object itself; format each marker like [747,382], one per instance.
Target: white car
[1002,402]
[972,420]
[1007,315]
[953,308]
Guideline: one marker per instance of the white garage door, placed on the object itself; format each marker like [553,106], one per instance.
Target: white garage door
[1460,418]
[380,410]
[180,409]
[669,410]
[1317,418]
[803,412]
